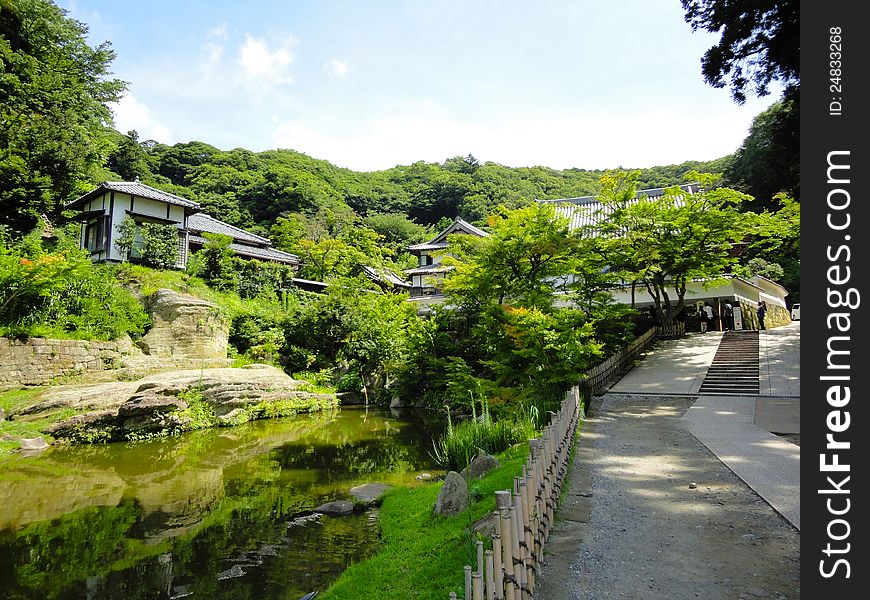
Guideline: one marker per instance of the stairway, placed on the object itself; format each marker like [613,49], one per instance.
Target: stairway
[734,370]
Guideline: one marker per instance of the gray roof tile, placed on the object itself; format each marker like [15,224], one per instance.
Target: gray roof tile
[203,223]
[134,188]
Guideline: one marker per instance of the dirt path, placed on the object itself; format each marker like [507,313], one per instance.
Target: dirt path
[649,513]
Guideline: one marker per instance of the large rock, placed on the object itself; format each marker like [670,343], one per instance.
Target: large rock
[153,405]
[185,326]
[482,464]
[453,497]
[369,494]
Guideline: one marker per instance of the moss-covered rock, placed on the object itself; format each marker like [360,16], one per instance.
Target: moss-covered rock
[175,401]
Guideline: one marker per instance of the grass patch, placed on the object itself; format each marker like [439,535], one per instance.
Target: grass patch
[13,401]
[423,554]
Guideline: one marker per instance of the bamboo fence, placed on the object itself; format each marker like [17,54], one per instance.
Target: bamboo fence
[524,516]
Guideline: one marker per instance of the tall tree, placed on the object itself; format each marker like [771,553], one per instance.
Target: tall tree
[54,95]
[768,160]
[664,243]
[522,262]
[760,43]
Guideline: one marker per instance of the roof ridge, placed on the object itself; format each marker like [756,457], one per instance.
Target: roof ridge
[233,227]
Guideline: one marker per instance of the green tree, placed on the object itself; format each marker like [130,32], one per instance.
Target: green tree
[155,244]
[523,262]
[768,160]
[505,325]
[328,258]
[54,95]
[356,331]
[159,245]
[760,43]
[664,243]
[215,262]
[129,160]
[396,230]
[58,292]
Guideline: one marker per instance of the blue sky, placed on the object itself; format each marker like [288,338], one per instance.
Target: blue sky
[371,84]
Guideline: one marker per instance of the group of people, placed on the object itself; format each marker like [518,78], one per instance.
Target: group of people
[709,316]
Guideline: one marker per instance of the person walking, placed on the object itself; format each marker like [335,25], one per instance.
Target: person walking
[708,316]
[761,312]
[728,313]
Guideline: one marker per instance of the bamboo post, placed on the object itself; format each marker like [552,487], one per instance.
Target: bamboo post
[467,582]
[524,545]
[477,585]
[479,556]
[490,575]
[518,570]
[508,556]
[498,567]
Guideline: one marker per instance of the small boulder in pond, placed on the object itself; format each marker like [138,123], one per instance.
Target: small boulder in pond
[369,494]
[453,497]
[338,508]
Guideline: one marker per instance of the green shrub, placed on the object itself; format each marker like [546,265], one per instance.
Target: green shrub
[63,294]
[461,442]
[156,244]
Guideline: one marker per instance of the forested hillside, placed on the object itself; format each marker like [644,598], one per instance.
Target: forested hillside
[253,189]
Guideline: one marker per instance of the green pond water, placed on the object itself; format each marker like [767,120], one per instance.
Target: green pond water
[221,513]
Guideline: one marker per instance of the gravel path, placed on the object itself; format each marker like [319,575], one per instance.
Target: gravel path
[649,513]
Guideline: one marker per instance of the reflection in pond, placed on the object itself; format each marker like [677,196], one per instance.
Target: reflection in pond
[221,513]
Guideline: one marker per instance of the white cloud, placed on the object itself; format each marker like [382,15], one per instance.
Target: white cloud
[265,63]
[219,32]
[212,54]
[559,140]
[131,114]
[337,68]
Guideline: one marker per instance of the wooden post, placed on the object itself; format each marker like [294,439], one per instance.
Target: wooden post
[498,567]
[518,570]
[479,556]
[507,552]
[490,575]
[467,582]
[477,585]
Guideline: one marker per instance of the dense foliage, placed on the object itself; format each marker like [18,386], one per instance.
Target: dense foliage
[50,288]
[299,196]
[54,91]
[759,43]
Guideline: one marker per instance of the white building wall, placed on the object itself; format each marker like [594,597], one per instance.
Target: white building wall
[140,206]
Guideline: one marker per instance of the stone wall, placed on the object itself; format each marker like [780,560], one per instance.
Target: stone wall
[37,361]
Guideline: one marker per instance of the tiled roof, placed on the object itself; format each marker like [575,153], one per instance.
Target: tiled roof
[459,225]
[261,252]
[204,223]
[430,270]
[428,246]
[439,242]
[385,275]
[134,188]
[266,253]
[587,210]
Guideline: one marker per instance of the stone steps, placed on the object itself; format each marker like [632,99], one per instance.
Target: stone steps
[734,370]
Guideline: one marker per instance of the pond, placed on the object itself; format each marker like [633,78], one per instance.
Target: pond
[220,513]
